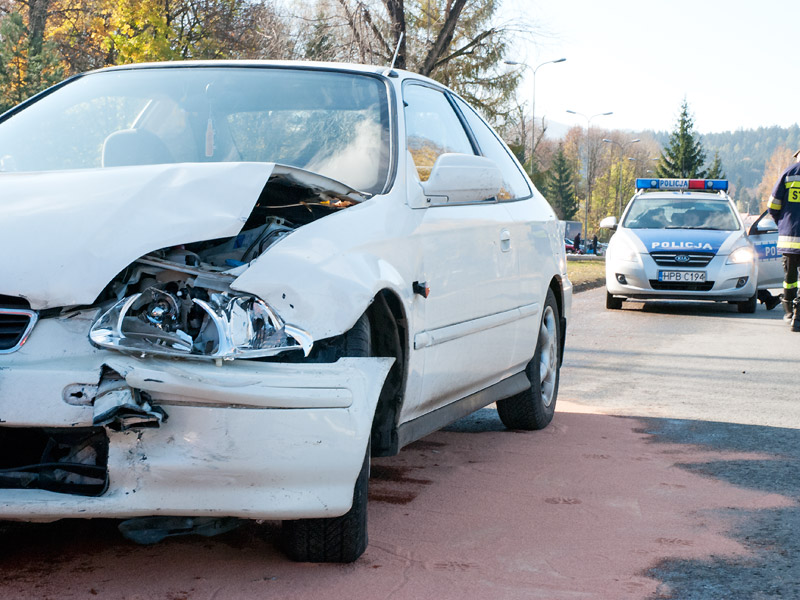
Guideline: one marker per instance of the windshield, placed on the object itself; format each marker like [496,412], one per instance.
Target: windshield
[335,124]
[681,213]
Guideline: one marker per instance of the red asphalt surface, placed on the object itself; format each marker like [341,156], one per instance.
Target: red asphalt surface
[579,510]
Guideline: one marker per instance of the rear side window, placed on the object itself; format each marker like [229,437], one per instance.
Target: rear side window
[515,184]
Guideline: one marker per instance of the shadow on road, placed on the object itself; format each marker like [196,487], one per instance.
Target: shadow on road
[770,535]
[705,309]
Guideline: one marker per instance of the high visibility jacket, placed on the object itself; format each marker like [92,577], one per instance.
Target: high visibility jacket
[784,206]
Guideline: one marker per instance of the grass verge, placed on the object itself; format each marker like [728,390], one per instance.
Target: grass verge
[586,273]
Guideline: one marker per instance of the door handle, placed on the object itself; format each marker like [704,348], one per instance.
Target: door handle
[505,240]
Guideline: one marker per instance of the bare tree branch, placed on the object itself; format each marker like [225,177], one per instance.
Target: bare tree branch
[444,38]
[397,17]
[465,49]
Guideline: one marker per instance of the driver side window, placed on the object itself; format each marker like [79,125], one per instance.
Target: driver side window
[432,128]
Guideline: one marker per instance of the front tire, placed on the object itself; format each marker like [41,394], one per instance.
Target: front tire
[337,539]
[613,303]
[748,306]
[333,540]
[533,409]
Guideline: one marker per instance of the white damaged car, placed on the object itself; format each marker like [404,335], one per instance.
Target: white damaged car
[227,284]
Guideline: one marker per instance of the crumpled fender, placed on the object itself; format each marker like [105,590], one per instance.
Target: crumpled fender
[323,276]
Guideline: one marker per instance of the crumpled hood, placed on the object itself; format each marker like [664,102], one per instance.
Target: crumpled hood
[65,234]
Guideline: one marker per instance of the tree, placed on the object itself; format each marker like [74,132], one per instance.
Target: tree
[460,44]
[27,63]
[684,155]
[561,186]
[715,171]
[776,165]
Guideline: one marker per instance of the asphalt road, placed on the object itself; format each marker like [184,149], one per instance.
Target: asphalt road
[669,471]
[706,379]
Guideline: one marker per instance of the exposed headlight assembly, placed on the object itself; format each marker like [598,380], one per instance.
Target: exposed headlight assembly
[216,325]
[741,255]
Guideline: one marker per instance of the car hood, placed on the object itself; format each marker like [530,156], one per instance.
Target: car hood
[682,240]
[65,234]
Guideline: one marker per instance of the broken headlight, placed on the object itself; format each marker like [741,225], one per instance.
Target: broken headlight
[196,323]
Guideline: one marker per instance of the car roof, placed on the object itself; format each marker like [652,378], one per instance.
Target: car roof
[685,195]
[383,71]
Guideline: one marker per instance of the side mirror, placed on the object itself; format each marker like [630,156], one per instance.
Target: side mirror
[764,224]
[459,178]
[608,223]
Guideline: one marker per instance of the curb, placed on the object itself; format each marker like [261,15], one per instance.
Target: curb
[588,285]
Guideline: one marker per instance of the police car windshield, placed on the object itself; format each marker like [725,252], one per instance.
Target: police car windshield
[681,213]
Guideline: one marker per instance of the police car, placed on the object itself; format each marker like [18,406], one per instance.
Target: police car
[680,239]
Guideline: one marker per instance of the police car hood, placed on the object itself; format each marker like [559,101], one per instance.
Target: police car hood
[683,240]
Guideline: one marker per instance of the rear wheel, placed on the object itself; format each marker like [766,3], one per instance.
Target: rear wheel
[613,303]
[534,408]
[748,306]
[337,539]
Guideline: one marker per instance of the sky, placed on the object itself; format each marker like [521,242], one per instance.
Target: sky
[736,62]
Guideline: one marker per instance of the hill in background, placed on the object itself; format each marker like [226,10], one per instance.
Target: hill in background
[744,153]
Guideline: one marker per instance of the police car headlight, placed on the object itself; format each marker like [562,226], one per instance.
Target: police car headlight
[740,256]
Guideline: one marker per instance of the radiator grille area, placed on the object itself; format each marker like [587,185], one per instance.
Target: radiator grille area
[702,286]
[670,259]
[16,322]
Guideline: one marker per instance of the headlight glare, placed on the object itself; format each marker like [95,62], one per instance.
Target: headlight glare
[741,255]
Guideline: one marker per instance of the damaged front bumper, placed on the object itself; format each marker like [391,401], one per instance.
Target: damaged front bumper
[245,439]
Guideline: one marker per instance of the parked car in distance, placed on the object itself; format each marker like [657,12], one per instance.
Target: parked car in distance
[228,284]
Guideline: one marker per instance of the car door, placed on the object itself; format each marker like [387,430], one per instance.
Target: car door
[532,228]
[469,262]
[763,233]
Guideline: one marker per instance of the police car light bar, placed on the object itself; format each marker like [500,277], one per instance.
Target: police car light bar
[682,184]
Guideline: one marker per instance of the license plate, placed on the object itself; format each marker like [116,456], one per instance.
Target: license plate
[682,276]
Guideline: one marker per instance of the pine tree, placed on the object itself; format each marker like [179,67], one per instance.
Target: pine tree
[684,155]
[715,171]
[561,186]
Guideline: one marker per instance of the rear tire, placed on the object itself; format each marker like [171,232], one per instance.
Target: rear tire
[613,303]
[533,409]
[748,306]
[337,539]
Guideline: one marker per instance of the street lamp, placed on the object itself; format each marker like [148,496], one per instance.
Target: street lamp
[588,177]
[533,105]
[622,148]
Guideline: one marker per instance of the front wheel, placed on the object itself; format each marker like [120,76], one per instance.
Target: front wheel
[333,540]
[748,306]
[613,303]
[534,408]
[336,539]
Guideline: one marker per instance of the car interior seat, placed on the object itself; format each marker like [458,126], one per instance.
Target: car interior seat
[129,147]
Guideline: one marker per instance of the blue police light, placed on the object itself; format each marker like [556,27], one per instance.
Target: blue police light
[682,184]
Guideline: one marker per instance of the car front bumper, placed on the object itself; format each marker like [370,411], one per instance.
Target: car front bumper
[641,276]
[245,438]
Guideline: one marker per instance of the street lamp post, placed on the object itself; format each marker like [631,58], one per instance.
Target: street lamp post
[533,105]
[622,148]
[588,177]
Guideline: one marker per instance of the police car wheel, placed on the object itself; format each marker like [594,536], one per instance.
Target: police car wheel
[534,408]
[748,306]
[613,303]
